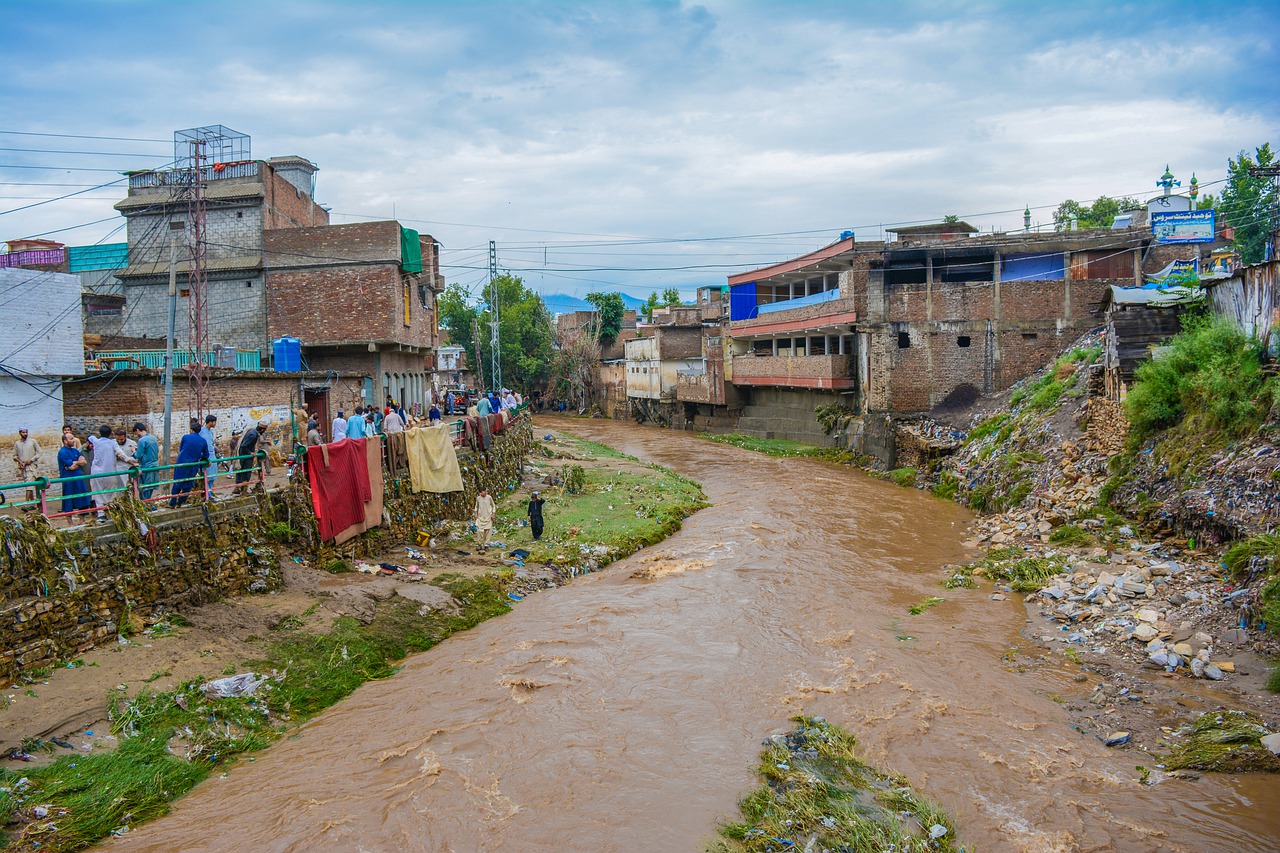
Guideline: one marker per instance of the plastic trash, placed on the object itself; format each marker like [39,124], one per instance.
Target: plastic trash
[244,684]
[937,831]
[514,597]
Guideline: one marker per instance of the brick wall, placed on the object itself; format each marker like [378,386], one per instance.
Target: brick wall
[124,577]
[286,206]
[343,283]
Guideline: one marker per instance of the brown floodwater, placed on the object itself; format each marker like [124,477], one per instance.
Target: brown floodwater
[618,714]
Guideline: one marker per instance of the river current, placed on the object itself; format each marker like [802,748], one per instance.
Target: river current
[621,714]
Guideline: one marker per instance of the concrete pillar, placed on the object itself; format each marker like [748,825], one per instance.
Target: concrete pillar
[995,288]
[928,287]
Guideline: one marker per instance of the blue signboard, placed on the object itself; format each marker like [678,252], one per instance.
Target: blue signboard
[1186,226]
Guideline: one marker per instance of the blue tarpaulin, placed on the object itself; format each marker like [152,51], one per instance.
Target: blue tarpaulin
[742,301]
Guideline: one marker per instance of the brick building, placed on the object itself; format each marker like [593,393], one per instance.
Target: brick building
[362,299]
[934,318]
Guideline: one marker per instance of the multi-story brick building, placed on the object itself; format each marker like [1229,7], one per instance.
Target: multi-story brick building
[361,298]
[934,318]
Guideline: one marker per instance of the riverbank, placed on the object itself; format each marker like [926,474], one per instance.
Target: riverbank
[110,740]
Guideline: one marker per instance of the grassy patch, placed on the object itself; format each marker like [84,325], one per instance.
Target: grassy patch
[948,486]
[614,514]
[1240,555]
[1210,382]
[1224,742]
[903,476]
[961,577]
[781,447]
[816,787]
[921,606]
[988,427]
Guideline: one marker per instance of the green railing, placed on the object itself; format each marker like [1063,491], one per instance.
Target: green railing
[136,481]
[154,359]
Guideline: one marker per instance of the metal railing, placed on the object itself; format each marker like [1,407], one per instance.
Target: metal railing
[182,177]
[154,359]
[137,481]
[33,256]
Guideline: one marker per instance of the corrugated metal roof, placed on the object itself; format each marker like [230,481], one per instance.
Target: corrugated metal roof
[215,192]
[243,262]
[110,256]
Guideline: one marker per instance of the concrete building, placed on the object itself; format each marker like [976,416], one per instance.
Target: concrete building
[654,362]
[40,346]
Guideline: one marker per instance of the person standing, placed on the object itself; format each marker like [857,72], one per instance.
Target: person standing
[26,455]
[535,516]
[249,447]
[486,510]
[314,438]
[356,426]
[148,455]
[433,415]
[392,423]
[104,462]
[207,433]
[193,456]
[339,429]
[483,406]
[71,463]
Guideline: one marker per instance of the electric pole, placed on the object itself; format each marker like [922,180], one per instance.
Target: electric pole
[174,228]
[495,336]
[475,336]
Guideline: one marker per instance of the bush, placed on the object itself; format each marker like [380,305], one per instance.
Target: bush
[1070,536]
[1212,374]
[947,486]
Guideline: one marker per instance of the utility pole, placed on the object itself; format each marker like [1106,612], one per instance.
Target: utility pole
[197,278]
[174,227]
[495,337]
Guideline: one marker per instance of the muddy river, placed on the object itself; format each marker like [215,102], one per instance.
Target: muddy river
[618,714]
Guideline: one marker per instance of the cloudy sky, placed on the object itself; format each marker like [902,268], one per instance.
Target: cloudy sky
[638,145]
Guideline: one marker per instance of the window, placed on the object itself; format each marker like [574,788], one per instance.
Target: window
[1030,336]
[962,341]
[904,340]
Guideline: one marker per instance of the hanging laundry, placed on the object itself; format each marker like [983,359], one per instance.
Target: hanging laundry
[397,454]
[339,475]
[433,463]
[486,433]
[373,506]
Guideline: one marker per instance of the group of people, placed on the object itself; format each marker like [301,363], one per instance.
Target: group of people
[486,511]
[95,470]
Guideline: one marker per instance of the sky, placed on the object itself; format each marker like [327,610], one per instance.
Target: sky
[637,146]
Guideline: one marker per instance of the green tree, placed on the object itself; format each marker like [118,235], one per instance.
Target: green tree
[609,311]
[525,330]
[457,318]
[1100,214]
[1249,204]
[671,297]
[652,302]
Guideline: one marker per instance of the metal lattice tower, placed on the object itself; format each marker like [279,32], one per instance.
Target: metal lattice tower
[495,337]
[198,277]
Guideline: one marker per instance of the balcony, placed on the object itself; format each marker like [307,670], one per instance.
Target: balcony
[833,372]
[182,177]
[41,257]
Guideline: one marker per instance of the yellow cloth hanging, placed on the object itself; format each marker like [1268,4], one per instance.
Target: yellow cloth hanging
[433,463]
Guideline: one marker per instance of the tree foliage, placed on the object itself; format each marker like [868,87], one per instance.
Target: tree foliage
[609,311]
[1249,203]
[671,297]
[524,328]
[654,301]
[1100,214]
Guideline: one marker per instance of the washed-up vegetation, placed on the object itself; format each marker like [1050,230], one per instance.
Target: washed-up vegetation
[1023,573]
[921,606]
[816,794]
[1224,742]
[780,447]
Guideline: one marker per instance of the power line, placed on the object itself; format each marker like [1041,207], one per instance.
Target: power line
[81,136]
[87,153]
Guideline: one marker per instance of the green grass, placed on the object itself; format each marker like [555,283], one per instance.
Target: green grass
[903,476]
[1238,556]
[948,486]
[815,786]
[621,511]
[593,449]
[988,427]
[781,447]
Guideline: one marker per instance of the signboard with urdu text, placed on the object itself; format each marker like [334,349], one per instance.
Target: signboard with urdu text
[1190,226]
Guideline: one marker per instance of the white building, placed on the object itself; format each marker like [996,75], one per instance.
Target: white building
[41,342]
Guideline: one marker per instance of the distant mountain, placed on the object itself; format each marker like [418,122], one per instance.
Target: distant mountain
[563,303]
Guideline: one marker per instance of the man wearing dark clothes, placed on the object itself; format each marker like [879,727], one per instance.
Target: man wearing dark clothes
[535,516]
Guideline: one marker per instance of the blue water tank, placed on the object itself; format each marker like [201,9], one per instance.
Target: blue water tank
[286,355]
